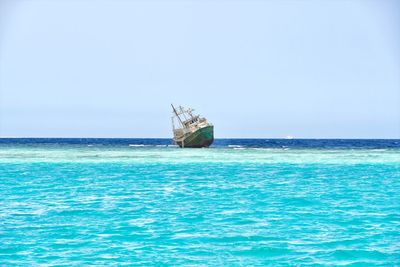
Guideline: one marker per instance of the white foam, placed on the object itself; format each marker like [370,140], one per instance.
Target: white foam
[233,146]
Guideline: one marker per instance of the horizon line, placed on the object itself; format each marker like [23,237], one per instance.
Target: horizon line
[239,138]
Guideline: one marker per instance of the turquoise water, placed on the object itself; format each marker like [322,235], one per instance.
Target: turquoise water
[74,205]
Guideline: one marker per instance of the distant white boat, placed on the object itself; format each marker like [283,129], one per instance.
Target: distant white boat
[289,137]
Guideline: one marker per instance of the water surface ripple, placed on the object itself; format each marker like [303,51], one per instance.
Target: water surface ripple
[232,205]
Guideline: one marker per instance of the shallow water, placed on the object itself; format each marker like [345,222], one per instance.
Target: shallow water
[237,204]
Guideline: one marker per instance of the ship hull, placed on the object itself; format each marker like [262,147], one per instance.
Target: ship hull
[202,137]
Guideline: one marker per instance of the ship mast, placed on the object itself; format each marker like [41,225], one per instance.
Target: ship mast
[176,113]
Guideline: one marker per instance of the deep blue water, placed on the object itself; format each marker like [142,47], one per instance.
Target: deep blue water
[242,202]
[218,143]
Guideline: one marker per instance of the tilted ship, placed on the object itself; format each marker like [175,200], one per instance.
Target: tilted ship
[191,130]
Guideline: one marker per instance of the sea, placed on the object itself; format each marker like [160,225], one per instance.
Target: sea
[241,202]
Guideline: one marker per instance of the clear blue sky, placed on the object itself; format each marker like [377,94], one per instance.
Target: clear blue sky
[311,69]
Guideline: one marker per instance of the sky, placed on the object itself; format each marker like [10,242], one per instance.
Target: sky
[255,69]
